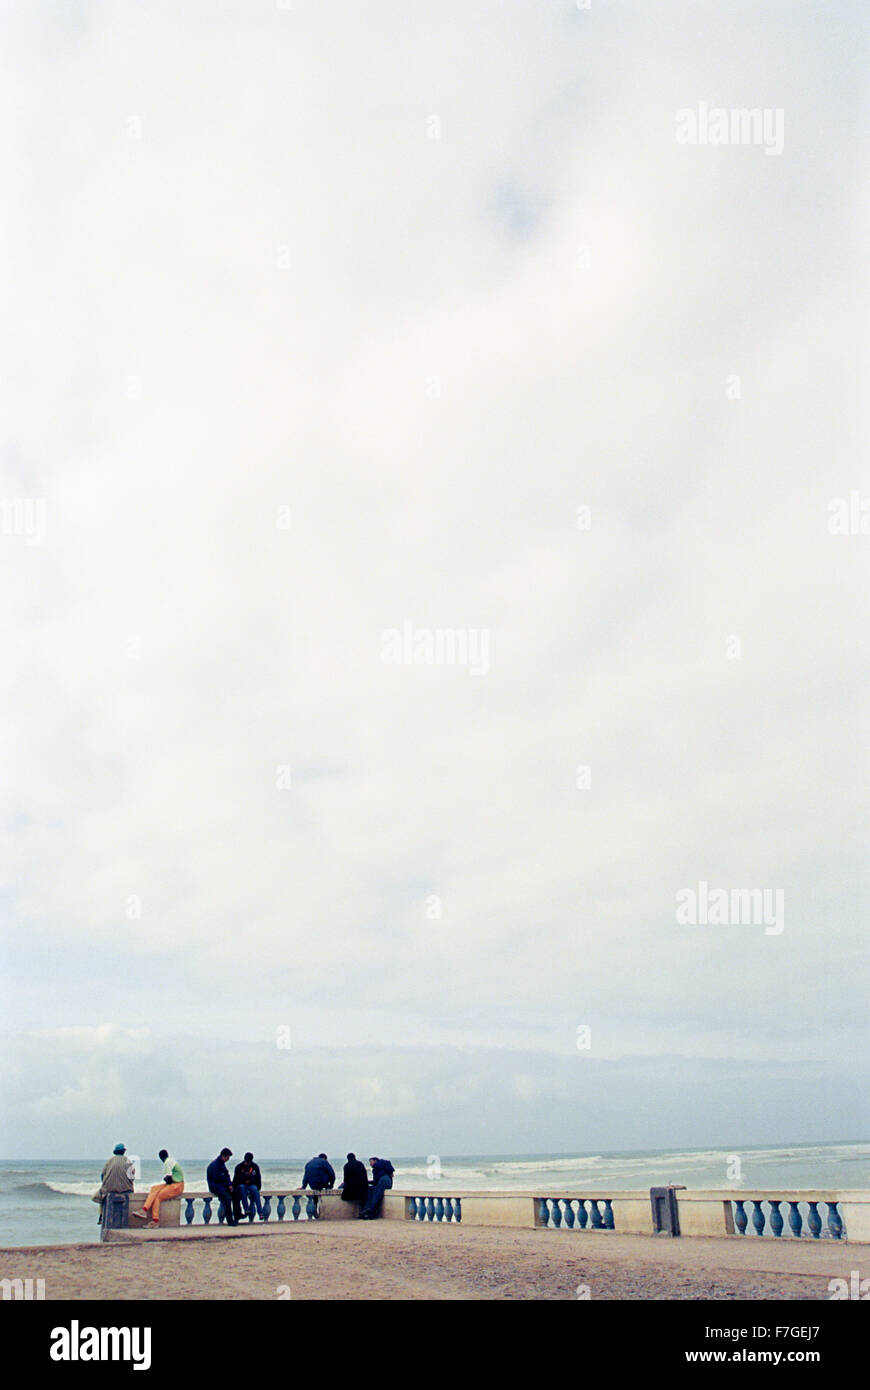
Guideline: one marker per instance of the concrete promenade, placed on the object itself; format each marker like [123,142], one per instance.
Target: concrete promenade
[391,1260]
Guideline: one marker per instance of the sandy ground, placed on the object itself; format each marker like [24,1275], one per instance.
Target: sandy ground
[395,1260]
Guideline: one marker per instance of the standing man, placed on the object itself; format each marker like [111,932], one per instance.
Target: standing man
[355,1187]
[382,1179]
[246,1189]
[172,1185]
[319,1174]
[217,1176]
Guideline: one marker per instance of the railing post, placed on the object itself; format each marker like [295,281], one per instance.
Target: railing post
[814,1221]
[775,1218]
[835,1221]
[795,1220]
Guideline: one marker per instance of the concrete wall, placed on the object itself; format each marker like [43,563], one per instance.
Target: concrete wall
[701,1212]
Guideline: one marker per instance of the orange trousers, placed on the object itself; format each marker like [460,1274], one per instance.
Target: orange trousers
[159,1192]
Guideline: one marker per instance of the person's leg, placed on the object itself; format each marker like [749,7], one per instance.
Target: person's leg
[149,1202]
[227,1199]
[245,1199]
[254,1203]
[385,1184]
[162,1193]
[376,1193]
[225,1203]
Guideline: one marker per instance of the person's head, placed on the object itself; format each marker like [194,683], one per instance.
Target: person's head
[351,1158]
[119,1149]
[164,1154]
[373,1159]
[249,1158]
[226,1153]
[322,1156]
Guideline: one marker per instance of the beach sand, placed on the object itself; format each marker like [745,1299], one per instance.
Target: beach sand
[395,1260]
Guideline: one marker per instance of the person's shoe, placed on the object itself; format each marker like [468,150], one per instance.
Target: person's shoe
[139,1215]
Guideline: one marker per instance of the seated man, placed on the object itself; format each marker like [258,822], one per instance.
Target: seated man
[382,1179]
[355,1187]
[117,1176]
[246,1189]
[171,1185]
[319,1174]
[218,1178]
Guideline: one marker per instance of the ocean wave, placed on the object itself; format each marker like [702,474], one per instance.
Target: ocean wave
[69,1189]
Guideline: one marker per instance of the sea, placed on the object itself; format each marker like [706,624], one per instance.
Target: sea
[47,1201]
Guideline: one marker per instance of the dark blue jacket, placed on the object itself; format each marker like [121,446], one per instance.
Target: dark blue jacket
[319,1173]
[217,1174]
[382,1168]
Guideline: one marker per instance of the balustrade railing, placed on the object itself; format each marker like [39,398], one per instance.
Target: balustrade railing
[446,1209]
[772,1222]
[289,1206]
[570,1213]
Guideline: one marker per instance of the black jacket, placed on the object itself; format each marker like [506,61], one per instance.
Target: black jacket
[356,1182]
[382,1168]
[249,1174]
[217,1174]
[319,1173]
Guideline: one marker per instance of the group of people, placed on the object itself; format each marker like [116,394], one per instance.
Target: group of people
[239,1195]
[319,1175]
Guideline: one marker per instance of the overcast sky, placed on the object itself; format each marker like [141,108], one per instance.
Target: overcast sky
[334,321]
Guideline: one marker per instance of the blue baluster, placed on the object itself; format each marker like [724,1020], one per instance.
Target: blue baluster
[835,1222]
[543,1211]
[775,1218]
[206,1209]
[281,1208]
[569,1214]
[814,1221]
[758,1218]
[188,1211]
[297,1206]
[609,1223]
[597,1223]
[582,1213]
[795,1220]
[439,1209]
[448,1209]
[311,1207]
[430,1209]
[267,1206]
[741,1220]
[457,1208]
[557,1213]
